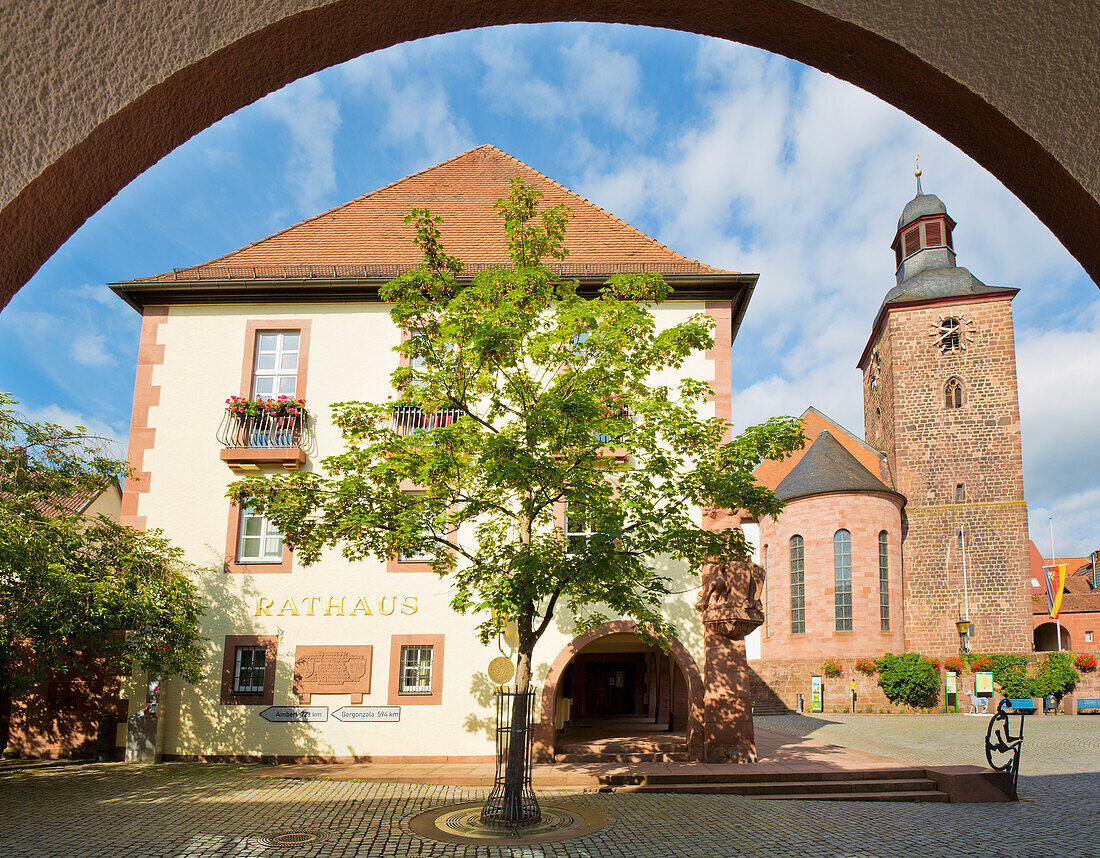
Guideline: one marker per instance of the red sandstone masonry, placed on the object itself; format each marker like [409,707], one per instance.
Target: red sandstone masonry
[932,449]
[816,519]
[146,395]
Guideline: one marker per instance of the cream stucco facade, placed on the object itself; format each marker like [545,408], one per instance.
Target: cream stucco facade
[193,360]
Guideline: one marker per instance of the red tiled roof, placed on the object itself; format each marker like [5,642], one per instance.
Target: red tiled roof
[368,234]
[771,473]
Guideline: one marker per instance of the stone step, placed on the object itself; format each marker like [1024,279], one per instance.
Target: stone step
[770,709]
[804,789]
[929,795]
[688,776]
[638,757]
[625,746]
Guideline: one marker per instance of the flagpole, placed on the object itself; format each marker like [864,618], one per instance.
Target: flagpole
[966,593]
[1057,622]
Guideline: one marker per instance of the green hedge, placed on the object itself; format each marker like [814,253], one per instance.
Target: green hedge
[911,679]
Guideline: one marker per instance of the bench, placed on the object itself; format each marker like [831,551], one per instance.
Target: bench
[1087,703]
[1022,705]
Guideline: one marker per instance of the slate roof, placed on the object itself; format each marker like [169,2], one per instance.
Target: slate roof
[934,283]
[828,467]
[771,473]
[368,236]
[920,206]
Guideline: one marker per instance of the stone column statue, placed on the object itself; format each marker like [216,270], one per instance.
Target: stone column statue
[730,606]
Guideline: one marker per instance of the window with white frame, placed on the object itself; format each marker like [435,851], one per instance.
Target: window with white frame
[260,541]
[416,669]
[250,668]
[1088,637]
[420,556]
[275,371]
[578,529]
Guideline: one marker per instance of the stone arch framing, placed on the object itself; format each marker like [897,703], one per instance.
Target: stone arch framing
[1010,82]
[544,728]
[1047,633]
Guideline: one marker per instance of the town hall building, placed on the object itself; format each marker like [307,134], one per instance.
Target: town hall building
[365,659]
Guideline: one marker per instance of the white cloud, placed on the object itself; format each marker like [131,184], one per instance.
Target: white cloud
[90,349]
[801,177]
[311,120]
[113,440]
[595,80]
[415,110]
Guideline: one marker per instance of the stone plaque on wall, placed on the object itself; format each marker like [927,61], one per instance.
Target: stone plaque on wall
[334,669]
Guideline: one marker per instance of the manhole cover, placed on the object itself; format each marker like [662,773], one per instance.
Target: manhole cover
[295,838]
[461,823]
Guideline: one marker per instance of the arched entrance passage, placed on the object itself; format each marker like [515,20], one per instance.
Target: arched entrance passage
[1046,638]
[93,97]
[610,673]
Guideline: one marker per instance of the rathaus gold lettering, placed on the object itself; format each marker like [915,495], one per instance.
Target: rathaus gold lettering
[337,606]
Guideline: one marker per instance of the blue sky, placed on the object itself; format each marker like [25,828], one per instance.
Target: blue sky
[730,155]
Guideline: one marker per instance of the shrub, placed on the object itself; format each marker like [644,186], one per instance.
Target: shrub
[831,667]
[865,666]
[910,678]
[1055,675]
[954,664]
[1006,662]
[1015,682]
[1085,662]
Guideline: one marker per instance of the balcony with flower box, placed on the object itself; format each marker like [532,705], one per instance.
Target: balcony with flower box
[256,432]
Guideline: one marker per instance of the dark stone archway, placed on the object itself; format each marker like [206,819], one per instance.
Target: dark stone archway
[544,727]
[96,94]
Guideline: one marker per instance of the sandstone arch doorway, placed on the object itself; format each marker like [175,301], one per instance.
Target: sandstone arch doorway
[610,695]
[1046,638]
[85,113]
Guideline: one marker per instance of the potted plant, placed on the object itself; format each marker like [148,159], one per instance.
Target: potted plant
[865,666]
[831,667]
[1085,662]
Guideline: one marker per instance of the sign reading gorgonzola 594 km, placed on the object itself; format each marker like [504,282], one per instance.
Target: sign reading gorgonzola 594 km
[294,714]
[368,713]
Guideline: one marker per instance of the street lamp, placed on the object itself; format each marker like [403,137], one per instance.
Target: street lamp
[963,628]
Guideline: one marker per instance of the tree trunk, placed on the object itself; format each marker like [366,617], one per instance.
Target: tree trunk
[519,740]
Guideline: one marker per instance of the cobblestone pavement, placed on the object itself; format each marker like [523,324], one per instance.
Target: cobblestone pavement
[1053,745]
[219,810]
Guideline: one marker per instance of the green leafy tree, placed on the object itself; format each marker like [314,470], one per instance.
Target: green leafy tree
[911,678]
[71,585]
[527,383]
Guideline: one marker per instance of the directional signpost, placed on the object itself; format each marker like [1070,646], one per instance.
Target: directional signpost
[363,714]
[294,714]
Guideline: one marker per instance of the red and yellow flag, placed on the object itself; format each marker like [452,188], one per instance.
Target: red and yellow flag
[1055,579]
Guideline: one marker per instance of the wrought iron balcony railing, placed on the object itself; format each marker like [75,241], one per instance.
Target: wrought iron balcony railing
[264,432]
[622,415]
[408,419]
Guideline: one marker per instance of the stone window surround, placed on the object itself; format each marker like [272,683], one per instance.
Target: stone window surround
[255,567]
[229,659]
[435,698]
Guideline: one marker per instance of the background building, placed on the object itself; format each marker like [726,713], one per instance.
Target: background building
[886,542]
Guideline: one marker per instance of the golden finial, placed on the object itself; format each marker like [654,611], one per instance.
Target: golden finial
[917,174]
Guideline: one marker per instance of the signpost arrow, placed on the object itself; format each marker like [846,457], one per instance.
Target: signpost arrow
[294,714]
[364,714]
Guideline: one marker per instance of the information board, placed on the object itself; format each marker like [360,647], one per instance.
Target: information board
[983,682]
[816,703]
[951,682]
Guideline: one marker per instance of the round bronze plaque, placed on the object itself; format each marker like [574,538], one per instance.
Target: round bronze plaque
[461,823]
[500,670]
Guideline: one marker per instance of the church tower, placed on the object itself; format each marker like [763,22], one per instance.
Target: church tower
[940,401]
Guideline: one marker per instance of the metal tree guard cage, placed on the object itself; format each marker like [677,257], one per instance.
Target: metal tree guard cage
[512,802]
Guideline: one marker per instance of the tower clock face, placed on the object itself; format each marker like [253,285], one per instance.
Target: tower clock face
[874,371]
[951,333]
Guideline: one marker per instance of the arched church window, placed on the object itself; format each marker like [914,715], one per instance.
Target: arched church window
[798,586]
[953,394]
[842,577]
[883,581]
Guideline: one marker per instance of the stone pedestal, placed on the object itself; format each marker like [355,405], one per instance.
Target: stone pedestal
[727,705]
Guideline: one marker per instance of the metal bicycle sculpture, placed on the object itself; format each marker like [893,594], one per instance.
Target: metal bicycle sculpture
[999,740]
